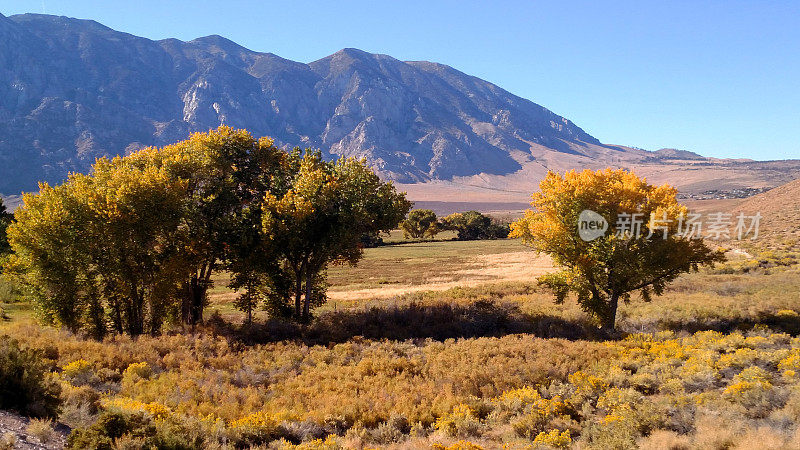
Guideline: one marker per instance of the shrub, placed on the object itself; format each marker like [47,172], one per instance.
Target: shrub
[388,433]
[79,372]
[80,405]
[461,421]
[25,383]
[538,415]
[136,371]
[329,443]
[8,441]
[554,438]
[258,428]
[109,427]
[665,440]
[41,430]
[154,410]
[460,445]
[753,389]
[118,429]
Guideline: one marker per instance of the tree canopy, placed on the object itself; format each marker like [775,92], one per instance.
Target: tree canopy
[321,220]
[420,223]
[622,259]
[135,242]
[472,225]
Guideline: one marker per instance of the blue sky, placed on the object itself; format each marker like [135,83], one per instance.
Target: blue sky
[721,78]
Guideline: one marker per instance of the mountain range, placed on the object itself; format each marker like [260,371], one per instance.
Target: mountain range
[73,90]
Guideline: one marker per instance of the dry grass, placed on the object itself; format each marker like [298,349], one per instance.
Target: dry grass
[394,270]
[400,358]
[41,430]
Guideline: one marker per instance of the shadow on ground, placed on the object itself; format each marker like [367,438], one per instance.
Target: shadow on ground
[779,323]
[413,321]
[483,318]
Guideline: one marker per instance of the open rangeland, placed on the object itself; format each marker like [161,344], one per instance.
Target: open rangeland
[452,344]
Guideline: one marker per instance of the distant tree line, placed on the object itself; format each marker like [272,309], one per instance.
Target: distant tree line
[135,243]
[470,225]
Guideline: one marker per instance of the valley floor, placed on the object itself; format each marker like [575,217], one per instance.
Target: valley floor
[452,345]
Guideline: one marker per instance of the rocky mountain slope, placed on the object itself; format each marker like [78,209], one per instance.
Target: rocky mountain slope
[73,90]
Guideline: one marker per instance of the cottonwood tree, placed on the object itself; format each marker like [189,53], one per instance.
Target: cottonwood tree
[226,174]
[606,270]
[472,225]
[420,223]
[137,240]
[321,220]
[100,242]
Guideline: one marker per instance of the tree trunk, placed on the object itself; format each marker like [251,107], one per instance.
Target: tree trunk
[135,311]
[194,300]
[116,314]
[249,297]
[307,300]
[610,319]
[298,292]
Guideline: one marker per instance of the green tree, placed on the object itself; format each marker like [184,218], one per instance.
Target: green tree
[472,225]
[604,270]
[321,220]
[420,223]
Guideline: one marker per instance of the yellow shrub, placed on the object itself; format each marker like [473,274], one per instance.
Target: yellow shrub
[741,357]
[586,385]
[79,372]
[257,428]
[256,420]
[461,421]
[791,362]
[140,370]
[156,410]
[538,415]
[460,445]
[554,438]
[519,397]
[329,443]
[752,389]
[77,369]
[615,399]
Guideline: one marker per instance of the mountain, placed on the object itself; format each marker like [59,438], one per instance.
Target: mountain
[73,90]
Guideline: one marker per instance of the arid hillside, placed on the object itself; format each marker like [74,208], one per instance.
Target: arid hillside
[780,212]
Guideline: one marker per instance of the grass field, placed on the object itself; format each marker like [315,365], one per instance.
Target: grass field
[452,343]
[405,267]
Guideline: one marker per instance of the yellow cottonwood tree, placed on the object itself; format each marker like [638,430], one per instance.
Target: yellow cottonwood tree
[321,220]
[137,240]
[101,242]
[624,259]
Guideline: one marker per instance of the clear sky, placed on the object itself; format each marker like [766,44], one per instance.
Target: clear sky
[721,78]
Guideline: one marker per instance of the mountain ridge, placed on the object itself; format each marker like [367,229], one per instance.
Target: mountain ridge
[72,90]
